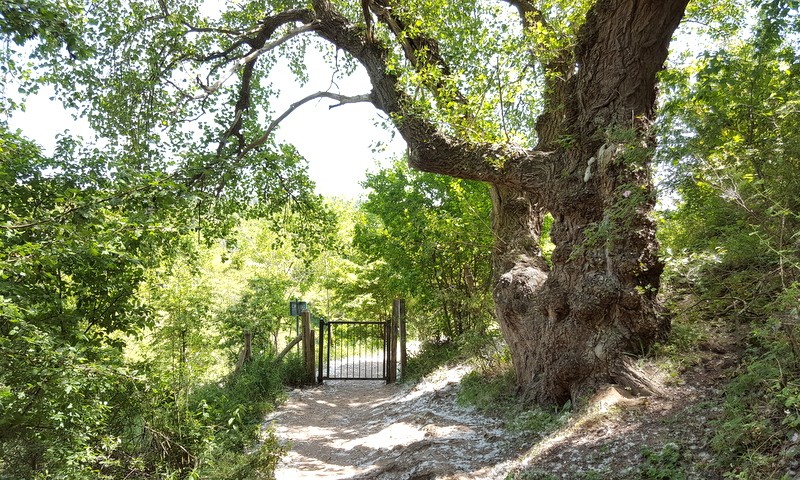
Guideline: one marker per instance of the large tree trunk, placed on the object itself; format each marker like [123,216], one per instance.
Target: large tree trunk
[569,329]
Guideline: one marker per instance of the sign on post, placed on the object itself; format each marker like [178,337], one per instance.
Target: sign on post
[297,307]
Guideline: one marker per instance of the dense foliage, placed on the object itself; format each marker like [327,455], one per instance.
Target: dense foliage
[116,333]
[731,148]
[427,238]
[110,360]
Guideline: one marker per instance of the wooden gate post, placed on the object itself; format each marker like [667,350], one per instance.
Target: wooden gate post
[398,312]
[401,307]
[321,349]
[308,346]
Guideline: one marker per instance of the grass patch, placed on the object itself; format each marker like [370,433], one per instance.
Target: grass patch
[756,435]
[489,391]
[534,474]
[494,392]
[663,464]
[754,438]
[431,356]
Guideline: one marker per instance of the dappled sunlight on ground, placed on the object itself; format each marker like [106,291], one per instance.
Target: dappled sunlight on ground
[369,430]
[366,429]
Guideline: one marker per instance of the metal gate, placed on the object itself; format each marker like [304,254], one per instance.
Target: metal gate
[359,350]
[350,350]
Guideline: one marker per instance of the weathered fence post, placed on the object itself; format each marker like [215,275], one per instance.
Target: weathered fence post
[403,353]
[246,354]
[398,309]
[308,346]
[321,348]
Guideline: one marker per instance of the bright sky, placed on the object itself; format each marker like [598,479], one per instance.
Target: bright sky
[338,143]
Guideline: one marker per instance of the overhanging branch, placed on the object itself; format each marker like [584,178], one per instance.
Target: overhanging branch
[342,99]
[430,148]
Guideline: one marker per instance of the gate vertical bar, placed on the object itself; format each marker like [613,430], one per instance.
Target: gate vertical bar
[321,344]
[328,352]
[386,350]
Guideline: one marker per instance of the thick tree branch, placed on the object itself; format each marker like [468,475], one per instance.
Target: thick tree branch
[254,38]
[430,149]
[528,12]
[421,52]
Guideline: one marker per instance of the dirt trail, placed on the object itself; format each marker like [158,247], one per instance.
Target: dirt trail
[366,429]
[360,430]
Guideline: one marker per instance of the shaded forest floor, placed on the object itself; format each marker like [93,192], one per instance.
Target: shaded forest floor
[358,430]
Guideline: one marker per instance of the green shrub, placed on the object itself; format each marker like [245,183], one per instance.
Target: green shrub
[430,356]
[293,371]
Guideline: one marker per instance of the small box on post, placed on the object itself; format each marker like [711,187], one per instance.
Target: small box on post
[296,308]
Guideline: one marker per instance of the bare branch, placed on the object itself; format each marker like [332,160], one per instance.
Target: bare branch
[342,99]
[192,29]
[259,44]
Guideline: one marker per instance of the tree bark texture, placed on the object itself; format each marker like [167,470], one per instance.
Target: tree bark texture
[569,325]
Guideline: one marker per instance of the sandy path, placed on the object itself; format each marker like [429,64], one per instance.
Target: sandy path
[366,429]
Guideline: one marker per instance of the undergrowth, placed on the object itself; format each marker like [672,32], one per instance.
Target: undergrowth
[758,435]
[226,420]
[492,389]
[215,434]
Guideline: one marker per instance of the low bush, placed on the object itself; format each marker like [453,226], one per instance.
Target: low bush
[431,355]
